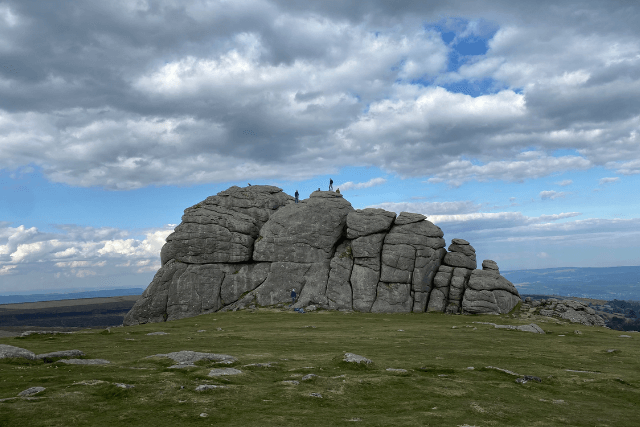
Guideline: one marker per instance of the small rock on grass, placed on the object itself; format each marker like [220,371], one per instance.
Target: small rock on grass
[354,358]
[309,377]
[224,371]
[205,387]
[396,370]
[31,391]
[316,395]
[84,361]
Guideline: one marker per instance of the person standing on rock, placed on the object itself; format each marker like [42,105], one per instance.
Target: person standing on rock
[330,184]
[296,196]
[293,296]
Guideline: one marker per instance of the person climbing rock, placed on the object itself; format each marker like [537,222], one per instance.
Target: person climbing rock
[293,296]
[296,196]
[338,190]
[330,184]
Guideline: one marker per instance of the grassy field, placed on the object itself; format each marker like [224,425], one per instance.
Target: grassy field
[438,389]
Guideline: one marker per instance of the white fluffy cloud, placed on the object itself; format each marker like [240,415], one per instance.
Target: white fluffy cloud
[86,251]
[276,90]
[346,186]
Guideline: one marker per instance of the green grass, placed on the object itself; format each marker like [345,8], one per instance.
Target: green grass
[437,390]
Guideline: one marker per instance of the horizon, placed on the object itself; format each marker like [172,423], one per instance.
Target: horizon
[514,128]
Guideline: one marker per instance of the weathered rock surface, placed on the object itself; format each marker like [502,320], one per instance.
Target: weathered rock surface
[355,358]
[571,310]
[249,247]
[489,293]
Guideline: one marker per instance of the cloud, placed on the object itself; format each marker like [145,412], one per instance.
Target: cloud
[542,255]
[274,90]
[552,194]
[564,183]
[429,209]
[79,252]
[371,183]
[603,181]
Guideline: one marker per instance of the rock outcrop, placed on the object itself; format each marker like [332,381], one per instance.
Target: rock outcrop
[249,247]
[571,310]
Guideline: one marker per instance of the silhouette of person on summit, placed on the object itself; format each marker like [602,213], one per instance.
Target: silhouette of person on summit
[330,184]
[296,196]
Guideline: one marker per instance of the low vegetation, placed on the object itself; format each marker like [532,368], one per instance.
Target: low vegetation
[588,378]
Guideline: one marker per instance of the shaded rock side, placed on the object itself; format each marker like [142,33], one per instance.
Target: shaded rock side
[412,253]
[459,281]
[304,232]
[393,298]
[489,293]
[181,290]
[339,292]
[223,228]
[440,291]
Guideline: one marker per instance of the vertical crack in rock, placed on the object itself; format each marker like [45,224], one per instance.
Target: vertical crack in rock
[253,245]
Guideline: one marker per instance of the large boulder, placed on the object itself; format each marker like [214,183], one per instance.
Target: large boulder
[223,228]
[250,247]
[489,293]
[304,232]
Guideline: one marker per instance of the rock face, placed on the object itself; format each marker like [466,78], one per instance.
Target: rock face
[249,247]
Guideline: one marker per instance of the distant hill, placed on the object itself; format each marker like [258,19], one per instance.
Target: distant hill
[13,299]
[605,283]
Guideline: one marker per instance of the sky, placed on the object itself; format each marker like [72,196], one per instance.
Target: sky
[511,124]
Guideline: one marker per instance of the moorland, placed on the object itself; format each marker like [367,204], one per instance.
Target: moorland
[449,370]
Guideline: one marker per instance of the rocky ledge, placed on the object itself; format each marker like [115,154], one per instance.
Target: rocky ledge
[249,247]
[571,310]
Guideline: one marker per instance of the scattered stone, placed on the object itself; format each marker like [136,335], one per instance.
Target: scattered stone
[125,386]
[291,382]
[158,333]
[186,358]
[224,372]
[471,368]
[528,378]
[84,361]
[396,370]
[310,308]
[309,377]
[204,415]
[354,358]
[202,330]
[261,365]
[584,372]
[89,382]
[206,387]
[63,353]
[27,333]
[577,332]
[31,391]
[7,351]
[611,350]
[571,310]
[624,336]
[316,395]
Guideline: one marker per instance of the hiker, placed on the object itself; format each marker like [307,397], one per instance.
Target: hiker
[330,184]
[338,190]
[293,296]
[249,185]
[296,196]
